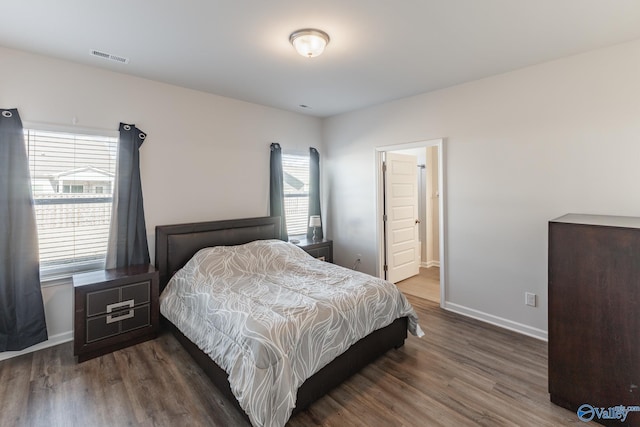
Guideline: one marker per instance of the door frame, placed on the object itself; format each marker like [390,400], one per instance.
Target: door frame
[379,155]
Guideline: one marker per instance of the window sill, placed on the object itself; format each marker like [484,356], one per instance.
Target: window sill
[55,281]
[62,274]
[296,238]
[62,278]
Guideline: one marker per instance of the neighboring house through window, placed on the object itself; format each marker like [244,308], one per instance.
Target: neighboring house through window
[296,192]
[72,178]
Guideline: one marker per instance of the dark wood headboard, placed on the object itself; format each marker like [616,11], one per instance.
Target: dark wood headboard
[176,244]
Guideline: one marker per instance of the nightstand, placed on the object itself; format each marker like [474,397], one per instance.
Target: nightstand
[321,249]
[114,309]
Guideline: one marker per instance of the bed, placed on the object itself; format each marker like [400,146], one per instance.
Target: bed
[176,246]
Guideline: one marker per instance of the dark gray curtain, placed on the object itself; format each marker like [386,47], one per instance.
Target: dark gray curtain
[22,321]
[128,233]
[276,188]
[314,191]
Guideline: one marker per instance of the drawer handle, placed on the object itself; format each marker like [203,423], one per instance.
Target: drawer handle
[116,305]
[111,318]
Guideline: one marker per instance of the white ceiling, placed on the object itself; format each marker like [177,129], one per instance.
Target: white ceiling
[380,50]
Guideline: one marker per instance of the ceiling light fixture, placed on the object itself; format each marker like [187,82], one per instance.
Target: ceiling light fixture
[309,42]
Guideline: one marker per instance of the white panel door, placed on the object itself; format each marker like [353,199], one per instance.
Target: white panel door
[401,211]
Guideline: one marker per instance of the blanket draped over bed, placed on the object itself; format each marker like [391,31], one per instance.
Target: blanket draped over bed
[271,316]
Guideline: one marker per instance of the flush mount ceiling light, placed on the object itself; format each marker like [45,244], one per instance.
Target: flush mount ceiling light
[309,42]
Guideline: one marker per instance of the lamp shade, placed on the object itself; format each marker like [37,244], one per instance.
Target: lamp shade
[309,42]
[314,221]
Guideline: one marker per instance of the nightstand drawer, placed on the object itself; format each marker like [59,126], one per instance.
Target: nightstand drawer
[115,323]
[320,249]
[138,292]
[323,253]
[110,300]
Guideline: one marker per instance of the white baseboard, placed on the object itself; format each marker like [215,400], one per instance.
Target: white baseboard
[429,264]
[54,340]
[497,321]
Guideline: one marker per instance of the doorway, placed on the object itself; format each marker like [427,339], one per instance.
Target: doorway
[429,283]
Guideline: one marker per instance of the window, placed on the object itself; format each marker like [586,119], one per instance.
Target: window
[296,192]
[72,189]
[72,178]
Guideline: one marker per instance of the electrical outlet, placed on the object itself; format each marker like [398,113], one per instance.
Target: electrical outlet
[357,263]
[530,299]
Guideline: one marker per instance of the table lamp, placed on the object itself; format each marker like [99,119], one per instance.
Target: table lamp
[315,222]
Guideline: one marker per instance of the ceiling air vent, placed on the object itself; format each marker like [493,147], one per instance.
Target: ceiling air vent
[110,57]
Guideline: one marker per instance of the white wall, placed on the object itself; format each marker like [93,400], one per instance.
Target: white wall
[521,148]
[206,157]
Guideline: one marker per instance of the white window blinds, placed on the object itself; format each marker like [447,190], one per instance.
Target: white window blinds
[72,179]
[296,192]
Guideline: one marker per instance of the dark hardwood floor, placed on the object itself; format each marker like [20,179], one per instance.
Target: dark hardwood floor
[461,373]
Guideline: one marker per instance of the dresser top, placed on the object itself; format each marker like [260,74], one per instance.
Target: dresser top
[112,275]
[601,220]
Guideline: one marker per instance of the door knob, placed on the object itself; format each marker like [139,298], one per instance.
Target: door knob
[417,221]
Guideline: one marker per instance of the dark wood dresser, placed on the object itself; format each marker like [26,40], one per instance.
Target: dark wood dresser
[594,315]
[114,309]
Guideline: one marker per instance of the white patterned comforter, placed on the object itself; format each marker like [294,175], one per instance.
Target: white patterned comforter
[271,316]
